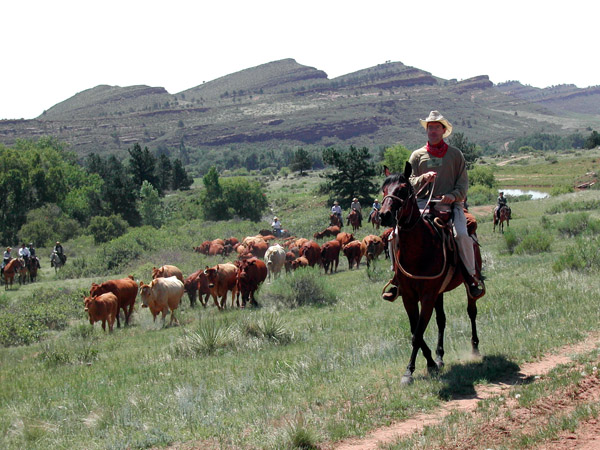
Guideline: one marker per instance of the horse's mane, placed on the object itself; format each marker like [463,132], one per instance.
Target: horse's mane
[396,178]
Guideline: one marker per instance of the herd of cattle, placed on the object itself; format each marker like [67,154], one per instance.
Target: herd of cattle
[256,260]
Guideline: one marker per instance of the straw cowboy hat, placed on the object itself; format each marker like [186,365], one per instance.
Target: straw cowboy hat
[435,116]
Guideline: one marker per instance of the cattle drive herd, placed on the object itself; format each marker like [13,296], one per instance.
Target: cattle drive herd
[258,258]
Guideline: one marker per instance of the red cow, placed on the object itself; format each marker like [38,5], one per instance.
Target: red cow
[203,248]
[103,308]
[197,284]
[301,261]
[125,289]
[232,241]
[354,251]
[258,248]
[344,238]
[252,272]
[167,271]
[374,247]
[289,257]
[330,255]
[222,278]
[329,231]
[312,252]
[216,249]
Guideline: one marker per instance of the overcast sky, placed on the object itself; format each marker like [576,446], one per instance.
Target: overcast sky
[52,50]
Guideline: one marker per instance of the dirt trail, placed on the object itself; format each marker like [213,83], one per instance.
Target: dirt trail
[402,429]
[503,163]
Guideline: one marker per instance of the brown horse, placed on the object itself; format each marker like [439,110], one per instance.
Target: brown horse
[10,270]
[501,217]
[32,267]
[353,219]
[375,219]
[424,269]
[23,271]
[334,220]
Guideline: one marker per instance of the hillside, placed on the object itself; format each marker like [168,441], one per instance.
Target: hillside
[283,104]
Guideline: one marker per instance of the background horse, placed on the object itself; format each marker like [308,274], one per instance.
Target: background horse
[504,214]
[23,271]
[423,269]
[32,267]
[10,270]
[375,219]
[334,220]
[56,262]
[354,220]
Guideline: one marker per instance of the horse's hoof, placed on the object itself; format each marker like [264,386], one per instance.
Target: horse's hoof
[439,362]
[476,353]
[407,380]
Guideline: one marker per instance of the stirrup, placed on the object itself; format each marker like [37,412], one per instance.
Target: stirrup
[392,294]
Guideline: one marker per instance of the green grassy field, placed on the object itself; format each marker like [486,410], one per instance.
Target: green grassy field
[278,377]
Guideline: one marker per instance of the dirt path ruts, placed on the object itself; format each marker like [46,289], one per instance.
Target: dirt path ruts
[389,434]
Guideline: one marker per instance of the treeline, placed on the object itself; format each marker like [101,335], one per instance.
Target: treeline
[47,195]
[543,141]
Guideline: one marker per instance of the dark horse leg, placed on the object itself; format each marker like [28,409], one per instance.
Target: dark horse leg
[418,324]
[440,317]
[472,311]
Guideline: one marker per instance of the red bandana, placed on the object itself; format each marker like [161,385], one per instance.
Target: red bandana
[438,150]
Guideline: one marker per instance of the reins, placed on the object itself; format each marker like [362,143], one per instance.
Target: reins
[398,228]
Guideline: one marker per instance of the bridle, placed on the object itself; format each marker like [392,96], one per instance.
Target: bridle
[398,228]
[404,201]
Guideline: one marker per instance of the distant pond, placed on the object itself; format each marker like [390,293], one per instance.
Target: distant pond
[535,195]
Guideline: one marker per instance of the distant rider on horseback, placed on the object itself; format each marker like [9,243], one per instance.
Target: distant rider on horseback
[499,204]
[58,249]
[376,207]
[356,205]
[337,210]
[6,259]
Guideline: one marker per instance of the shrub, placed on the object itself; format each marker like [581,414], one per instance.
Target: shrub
[44,310]
[534,241]
[511,240]
[104,229]
[570,206]
[583,256]
[301,287]
[574,224]
[561,189]
[211,337]
[481,195]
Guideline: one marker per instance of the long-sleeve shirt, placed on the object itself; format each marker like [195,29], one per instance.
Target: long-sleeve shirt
[451,173]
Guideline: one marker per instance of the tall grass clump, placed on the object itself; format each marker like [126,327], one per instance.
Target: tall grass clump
[561,189]
[271,327]
[211,337]
[304,286]
[583,256]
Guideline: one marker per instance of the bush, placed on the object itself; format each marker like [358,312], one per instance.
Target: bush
[534,241]
[574,224]
[561,189]
[481,195]
[44,310]
[570,206]
[302,287]
[583,256]
[104,229]
[511,240]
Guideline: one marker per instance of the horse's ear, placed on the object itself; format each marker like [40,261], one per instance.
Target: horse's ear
[386,171]
[407,170]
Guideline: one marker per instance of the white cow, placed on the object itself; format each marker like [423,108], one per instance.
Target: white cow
[275,260]
[162,295]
